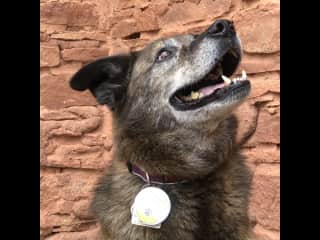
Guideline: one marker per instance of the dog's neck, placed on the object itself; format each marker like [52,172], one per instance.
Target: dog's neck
[154,179]
[183,153]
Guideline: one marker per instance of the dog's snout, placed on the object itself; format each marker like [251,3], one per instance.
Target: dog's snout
[221,28]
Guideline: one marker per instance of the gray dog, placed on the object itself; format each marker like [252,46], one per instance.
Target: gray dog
[177,172]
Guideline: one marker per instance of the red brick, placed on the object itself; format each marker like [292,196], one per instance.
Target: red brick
[52,28]
[81,209]
[215,9]
[260,63]
[259,28]
[72,121]
[56,93]
[263,153]
[85,235]
[265,200]
[84,54]
[79,44]
[141,21]
[263,234]
[69,13]
[49,56]
[264,83]
[247,118]
[182,13]
[80,35]
[268,129]
[59,192]
[44,37]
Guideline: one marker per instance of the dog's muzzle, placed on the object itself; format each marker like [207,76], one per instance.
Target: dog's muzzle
[220,28]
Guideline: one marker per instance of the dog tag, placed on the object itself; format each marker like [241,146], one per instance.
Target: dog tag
[150,208]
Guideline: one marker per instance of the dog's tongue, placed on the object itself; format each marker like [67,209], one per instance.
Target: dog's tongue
[210,89]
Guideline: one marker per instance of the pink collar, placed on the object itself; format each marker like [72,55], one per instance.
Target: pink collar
[155,179]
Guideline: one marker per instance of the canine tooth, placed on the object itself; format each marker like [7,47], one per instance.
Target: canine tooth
[226,80]
[194,95]
[244,75]
[201,95]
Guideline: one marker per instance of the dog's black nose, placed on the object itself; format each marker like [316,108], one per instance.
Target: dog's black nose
[221,28]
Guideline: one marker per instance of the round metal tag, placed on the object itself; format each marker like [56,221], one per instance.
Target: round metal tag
[151,206]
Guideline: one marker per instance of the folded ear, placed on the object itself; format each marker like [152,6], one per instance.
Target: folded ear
[106,78]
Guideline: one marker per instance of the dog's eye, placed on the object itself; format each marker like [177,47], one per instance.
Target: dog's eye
[163,55]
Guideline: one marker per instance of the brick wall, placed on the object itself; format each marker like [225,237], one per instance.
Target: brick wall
[76,137]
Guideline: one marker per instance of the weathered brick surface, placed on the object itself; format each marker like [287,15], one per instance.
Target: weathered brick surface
[265,199]
[83,235]
[75,133]
[69,13]
[49,55]
[259,28]
[83,54]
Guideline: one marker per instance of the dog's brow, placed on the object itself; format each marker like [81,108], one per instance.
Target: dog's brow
[160,44]
[171,41]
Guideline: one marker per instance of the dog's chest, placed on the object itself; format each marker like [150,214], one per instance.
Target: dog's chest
[182,223]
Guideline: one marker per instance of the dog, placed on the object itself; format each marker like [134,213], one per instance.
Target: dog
[177,171]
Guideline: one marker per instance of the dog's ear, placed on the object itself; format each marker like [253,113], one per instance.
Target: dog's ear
[106,78]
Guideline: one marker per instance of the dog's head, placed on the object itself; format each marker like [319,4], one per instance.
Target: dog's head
[179,80]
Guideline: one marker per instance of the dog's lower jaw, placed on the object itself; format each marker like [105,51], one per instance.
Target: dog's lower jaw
[213,113]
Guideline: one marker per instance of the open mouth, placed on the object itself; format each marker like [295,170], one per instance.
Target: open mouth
[215,86]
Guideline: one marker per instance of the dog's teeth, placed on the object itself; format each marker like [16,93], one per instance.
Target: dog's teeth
[244,75]
[194,95]
[201,95]
[226,80]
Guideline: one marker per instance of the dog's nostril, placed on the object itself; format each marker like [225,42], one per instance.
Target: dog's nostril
[221,27]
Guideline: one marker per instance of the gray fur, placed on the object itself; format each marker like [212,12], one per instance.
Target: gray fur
[197,145]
